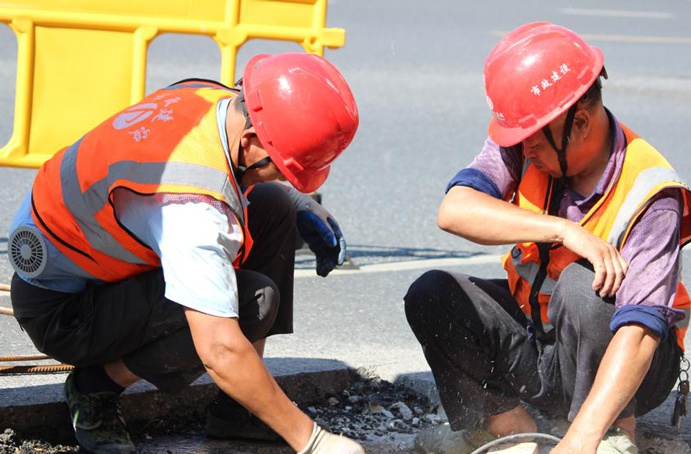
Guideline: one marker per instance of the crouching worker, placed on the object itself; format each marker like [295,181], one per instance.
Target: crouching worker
[590,319]
[164,248]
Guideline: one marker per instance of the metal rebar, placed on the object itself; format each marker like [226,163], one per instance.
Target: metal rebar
[23,358]
[27,369]
[34,369]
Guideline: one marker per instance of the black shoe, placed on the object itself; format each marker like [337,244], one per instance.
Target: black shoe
[226,419]
[97,422]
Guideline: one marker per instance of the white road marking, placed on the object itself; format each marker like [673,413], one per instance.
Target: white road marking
[408,265]
[641,39]
[617,13]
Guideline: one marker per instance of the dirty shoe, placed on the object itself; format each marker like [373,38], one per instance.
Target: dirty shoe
[442,440]
[226,419]
[616,441]
[98,424]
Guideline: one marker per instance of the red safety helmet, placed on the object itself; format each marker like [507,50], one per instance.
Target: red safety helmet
[303,112]
[534,74]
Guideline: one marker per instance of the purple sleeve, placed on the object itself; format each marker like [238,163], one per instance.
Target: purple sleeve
[652,250]
[495,171]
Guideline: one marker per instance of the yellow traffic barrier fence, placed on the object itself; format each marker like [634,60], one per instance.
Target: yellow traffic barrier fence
[80,61]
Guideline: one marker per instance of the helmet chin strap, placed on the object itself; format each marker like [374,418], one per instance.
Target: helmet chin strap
[240,169]
[555,197]
[561,152]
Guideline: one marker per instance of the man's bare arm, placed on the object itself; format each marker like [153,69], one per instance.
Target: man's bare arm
[483,219]
[233,363]
[625,364]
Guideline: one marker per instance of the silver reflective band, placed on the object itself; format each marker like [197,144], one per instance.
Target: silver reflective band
[645,182]
[86,205]
[529,270]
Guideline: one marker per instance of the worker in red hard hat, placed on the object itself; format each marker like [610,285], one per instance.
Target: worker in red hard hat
[589,321]
[161,245]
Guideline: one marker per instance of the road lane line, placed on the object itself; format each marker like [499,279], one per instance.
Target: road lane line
[409,265]
[626,38]
[423,264]
[639,39]
[617,13]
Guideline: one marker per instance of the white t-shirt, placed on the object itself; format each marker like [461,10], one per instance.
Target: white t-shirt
[197,243]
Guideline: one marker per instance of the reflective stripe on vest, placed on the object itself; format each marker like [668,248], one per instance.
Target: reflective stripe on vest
[644,174]
[168,143]
[644,187]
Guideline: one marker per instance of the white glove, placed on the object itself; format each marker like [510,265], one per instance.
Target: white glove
[320,231]
[323,442]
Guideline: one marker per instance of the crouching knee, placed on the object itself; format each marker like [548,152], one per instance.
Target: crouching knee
[425,300]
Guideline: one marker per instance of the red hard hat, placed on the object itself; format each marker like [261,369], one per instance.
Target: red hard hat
[303,112]
[534,74]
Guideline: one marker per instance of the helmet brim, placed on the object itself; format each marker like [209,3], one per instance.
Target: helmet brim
[306,182]
[508,137]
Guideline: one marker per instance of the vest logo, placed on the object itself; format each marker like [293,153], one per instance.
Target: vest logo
[134,115]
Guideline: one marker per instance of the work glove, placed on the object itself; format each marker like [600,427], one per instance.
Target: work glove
[323,442]
[320,231]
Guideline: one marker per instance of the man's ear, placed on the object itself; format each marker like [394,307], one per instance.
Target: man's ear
[247,136]
[582,122]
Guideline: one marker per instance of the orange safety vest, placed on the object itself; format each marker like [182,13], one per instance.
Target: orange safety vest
[644,173]
[167,143]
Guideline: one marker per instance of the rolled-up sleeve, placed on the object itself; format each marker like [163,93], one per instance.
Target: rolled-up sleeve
[646,296]
[495,171]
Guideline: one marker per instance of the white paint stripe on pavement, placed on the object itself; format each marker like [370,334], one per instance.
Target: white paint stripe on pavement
[617,13]
[409,265]
[639,39]
[627,38]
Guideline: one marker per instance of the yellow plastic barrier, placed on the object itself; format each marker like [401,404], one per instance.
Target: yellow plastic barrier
[79,61]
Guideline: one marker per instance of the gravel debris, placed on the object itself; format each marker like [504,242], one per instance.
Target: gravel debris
[372,408]
[11,444]
[383,416]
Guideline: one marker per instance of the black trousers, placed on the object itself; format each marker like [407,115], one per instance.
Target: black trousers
[485,359]
[132,319]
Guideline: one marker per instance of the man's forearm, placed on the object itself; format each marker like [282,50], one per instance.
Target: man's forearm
[233,363]
[623,367]
[483,219]
[249,382]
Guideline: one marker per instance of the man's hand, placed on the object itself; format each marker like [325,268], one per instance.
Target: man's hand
[609,266]
[323,442]
[320,231]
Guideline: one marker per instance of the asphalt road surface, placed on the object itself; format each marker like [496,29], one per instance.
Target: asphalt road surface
[416,71]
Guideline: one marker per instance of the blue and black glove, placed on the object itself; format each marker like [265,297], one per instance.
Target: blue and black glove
[320,231]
